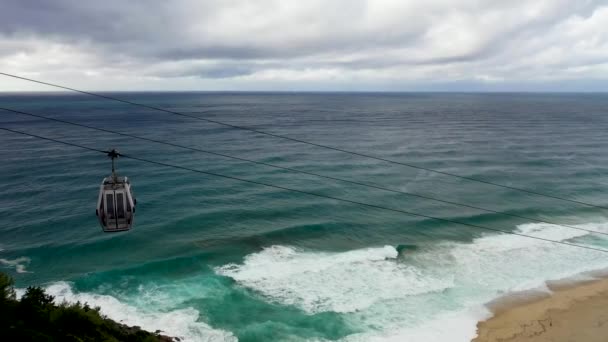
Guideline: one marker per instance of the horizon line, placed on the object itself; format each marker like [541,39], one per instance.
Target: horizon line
[324,91]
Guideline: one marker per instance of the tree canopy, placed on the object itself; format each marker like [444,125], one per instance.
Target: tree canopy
[36,317]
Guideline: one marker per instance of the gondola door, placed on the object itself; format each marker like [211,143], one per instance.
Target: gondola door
[110,206]
[116,210]
[121,209]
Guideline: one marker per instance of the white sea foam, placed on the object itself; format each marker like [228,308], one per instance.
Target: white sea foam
[433,294]
[182,323]
[19,264]
[457,326]
[339,282]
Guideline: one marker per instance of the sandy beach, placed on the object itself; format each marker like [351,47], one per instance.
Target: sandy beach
[573,313]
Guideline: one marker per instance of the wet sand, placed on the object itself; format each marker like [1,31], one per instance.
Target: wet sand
[572,313]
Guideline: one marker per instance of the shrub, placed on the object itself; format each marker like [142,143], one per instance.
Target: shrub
[37,318]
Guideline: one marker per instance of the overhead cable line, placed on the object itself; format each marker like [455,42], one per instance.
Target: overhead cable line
[369,185]
[308,192]
[359,154]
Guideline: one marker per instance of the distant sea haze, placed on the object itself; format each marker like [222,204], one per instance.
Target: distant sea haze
[215,259]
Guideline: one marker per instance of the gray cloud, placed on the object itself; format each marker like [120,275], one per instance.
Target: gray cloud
[340,44]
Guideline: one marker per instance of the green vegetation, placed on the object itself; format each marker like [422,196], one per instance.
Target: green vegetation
[35,317]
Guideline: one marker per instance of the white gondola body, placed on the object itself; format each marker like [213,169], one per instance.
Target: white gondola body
[115,204]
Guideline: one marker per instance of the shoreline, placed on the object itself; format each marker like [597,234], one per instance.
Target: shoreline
[573,310]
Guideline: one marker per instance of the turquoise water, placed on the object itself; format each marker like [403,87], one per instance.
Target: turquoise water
[212,259]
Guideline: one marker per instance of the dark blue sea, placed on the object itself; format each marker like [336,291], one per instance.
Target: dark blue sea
[216,259]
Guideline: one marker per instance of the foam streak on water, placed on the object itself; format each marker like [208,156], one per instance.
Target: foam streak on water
[19,263]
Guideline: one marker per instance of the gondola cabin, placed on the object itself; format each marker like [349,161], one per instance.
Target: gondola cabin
[115,203]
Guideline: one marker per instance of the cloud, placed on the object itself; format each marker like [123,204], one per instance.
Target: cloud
[309,45]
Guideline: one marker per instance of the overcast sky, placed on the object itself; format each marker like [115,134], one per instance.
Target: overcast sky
[343,45]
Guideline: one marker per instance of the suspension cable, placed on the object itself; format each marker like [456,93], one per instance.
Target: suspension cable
[369,185]
[310,193]
[359,154]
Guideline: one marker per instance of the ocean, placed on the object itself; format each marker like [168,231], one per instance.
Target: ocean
[215,259]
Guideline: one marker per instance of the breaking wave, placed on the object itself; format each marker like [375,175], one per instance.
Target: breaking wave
[429,294]
[182,323]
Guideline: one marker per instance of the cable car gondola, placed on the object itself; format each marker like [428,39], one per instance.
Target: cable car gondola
[116,203]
